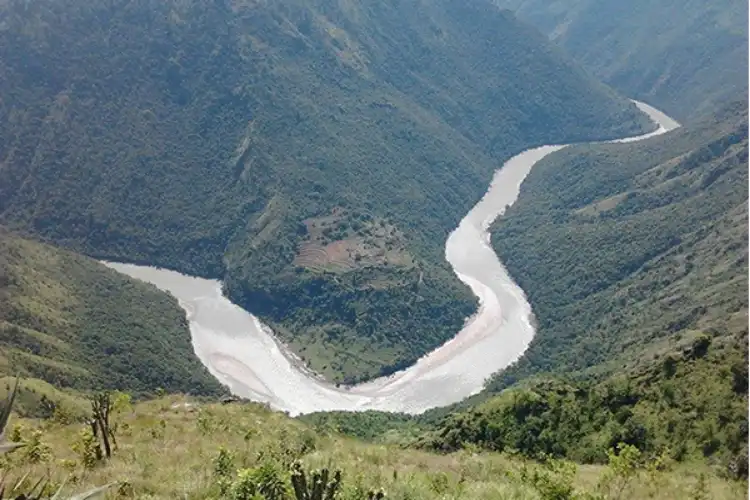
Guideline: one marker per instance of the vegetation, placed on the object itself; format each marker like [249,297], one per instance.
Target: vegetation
[634,258]
[315,156]
[623,250]
[35,452]
[72,322]
[687,58]
[201,136]
[176,447]
[368,426]
[688,405]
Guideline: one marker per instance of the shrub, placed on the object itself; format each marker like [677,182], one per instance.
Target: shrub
[87,448]
[265,482]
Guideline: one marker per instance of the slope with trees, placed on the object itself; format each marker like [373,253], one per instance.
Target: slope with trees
[217,138]
[623,249]
[689,404]
[76,324]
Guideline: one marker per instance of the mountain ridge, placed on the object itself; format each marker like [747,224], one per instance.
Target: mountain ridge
[68,320]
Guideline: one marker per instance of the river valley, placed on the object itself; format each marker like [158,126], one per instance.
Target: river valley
[244,355]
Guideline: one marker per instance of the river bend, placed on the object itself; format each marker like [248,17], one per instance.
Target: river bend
[244,355]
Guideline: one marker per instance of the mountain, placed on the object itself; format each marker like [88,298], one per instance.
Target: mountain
[312,154]
[72,322]
[686,57]
[626,249]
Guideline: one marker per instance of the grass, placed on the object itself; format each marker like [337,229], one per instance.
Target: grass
[323,351]
[167,447]
[334,243]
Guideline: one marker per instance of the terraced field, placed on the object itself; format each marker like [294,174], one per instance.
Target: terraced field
[343,242]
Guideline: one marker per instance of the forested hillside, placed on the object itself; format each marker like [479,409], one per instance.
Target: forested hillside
[687,57]
[625,249]
[689,404]
[72,322]
[313,154]
[634,259]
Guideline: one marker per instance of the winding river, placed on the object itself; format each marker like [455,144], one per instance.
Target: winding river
[244,355]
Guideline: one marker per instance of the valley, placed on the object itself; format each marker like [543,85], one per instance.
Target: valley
[659,253]
[245,355]
[211,162]
[687,61]
[393,250]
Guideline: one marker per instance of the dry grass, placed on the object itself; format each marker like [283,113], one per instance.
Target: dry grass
[166,448]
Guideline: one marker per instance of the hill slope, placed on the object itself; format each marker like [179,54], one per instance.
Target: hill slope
[314,154]
[690,402]
[69,320]
[624,249]
[685,57]
[180,448]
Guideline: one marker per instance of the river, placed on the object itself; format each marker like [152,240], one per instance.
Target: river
[244,355]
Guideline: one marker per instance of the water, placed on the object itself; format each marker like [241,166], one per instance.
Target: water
[244,355]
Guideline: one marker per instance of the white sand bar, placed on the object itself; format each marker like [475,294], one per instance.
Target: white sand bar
[245,356]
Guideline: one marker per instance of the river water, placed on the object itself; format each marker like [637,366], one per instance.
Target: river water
[244,355]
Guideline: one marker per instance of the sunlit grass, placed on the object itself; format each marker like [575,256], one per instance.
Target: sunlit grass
[166,448]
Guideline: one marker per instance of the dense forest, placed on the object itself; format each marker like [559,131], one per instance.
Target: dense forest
[214,137]
[70,321]
[634,258]
[688,58]
[625,249]
[315,154]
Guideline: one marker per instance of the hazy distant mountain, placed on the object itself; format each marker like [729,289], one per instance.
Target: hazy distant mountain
[314,154]
[685,56]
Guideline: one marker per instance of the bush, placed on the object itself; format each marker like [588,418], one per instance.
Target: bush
[265,482]
[87,448]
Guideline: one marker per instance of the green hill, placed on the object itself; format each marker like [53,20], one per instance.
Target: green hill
[313,154]
[634,259]
[690,403]
[687,58]
[72,322]
[624,249]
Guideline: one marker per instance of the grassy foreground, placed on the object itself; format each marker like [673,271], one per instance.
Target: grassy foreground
[171,448]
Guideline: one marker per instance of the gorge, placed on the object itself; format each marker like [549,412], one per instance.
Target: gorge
[244,355]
